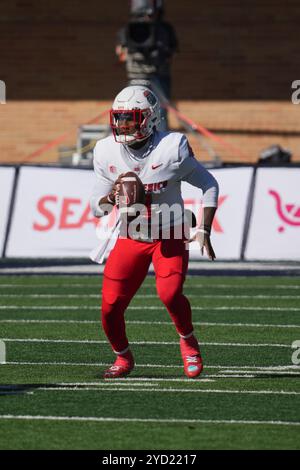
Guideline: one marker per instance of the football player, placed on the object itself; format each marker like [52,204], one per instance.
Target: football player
[161,160]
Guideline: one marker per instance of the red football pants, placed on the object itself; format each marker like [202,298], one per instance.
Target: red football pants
[126,269]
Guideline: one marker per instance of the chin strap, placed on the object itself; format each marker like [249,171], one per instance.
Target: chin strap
[136,142]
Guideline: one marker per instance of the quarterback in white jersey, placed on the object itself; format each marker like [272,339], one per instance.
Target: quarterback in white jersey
[161,164]
[162,160]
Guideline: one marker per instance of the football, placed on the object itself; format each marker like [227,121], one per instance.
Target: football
[131,192]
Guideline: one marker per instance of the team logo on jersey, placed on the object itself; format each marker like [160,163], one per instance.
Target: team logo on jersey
[154,167]
[112,169]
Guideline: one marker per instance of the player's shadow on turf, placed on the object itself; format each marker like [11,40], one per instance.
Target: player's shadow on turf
[15,389]
[143,376]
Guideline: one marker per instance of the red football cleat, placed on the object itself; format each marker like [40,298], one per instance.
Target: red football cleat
[122,366]
[191,356]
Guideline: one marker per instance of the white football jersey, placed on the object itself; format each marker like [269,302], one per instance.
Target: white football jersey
[165,161]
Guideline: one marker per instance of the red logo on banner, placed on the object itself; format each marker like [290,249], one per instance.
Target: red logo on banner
[288,213]
[216,225]
[46,207]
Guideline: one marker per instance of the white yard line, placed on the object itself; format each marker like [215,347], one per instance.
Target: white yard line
[158,307]
[159,366]
[152,284]
[252,374]
[149,296]
[142,322]
[170,390]
[131,381]
[261,372]
[107,383]
[151,343]
[49,286]
[242,286]
[83,364]
[235,376]
[76,322]
[145,420]
[98,385]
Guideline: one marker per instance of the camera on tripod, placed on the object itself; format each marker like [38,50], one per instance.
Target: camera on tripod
[142,27]
[143,8]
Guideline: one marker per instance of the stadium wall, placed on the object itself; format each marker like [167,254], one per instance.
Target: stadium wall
[233,72]
[45,213]
[228,50]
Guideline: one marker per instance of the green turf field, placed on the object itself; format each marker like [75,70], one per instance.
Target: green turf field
[53,397]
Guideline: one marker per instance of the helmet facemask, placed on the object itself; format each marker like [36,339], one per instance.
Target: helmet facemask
[130,126]
[135,114]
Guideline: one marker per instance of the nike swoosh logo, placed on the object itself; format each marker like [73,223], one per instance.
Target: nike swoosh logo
[154,167]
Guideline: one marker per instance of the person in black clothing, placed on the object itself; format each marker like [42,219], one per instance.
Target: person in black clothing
[146,44]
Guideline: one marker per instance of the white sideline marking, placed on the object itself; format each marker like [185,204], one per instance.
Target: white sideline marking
[173,390]
[237,286]
[142,322]
[87,307]
[113,384]
[50,296]
[263,372]
[57,296]
[98,385]
[148,284]
[253,297]
[145,420]
[133,380]
[162,343]
[243,286]
[87,364]
[149,296]
[159,366]
[237,376]
[240,374]
[49,286]
[147,383]
[79,322]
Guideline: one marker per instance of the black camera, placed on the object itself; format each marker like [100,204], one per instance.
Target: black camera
[145,27]
[141,36]
[143,8]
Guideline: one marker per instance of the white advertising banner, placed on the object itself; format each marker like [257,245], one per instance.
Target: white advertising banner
[6,187]
[52,217]
[274,232]
[228,225]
